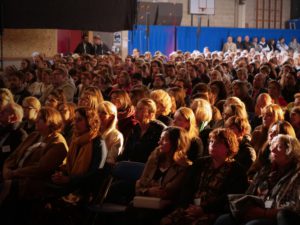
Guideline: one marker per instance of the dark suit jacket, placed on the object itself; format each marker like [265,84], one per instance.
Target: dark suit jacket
[10,138]
[80,48]
[100,49]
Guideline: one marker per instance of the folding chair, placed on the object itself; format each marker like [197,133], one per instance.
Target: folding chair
[124,170]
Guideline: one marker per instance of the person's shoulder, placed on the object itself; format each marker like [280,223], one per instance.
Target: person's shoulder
[157,124]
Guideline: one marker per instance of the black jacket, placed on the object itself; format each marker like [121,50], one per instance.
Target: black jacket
[138,147]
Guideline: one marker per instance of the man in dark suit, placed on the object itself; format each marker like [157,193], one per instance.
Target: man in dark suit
[84,47]
[99,48]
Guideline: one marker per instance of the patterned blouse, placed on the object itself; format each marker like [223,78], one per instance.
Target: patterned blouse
[278,190]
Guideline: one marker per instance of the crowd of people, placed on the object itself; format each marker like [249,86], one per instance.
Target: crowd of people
[261,46]
[206,125]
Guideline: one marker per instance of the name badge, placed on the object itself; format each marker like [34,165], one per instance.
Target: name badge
[268,204]
[5,148]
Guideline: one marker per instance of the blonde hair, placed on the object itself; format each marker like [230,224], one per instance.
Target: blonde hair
[202,110]
[92,100]
[189,115]
[15,109]
[6,93]
[149,103]
[237,110]
[33,102]
[162,98]
[275,110]
[110,109]
[180,144]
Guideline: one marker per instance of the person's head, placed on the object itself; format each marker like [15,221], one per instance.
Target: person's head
[120,99]
[163,102]
[145,110]
[297,99]
[11,113]
[88,100]
[288,80]
[240,126]
[55,97]
[259,81]
[46,76]
[274,89]
[202,89]
[179,95]
[159,82]
[223,144]
[218,91]
[123,79]
[48,121]
[234,110]
[94,91]
[280,127]
[86,121]
[229,39]
[16,80]
[295,117]
[234,100]
[136,79]
[97,40]
[285,150]
[138,93]
[262,101]
[215,75]
[242,73]
[67,111]
[246,38]
[202,110]
[240,88]
[175,142]
[59,75]
[6,97]
[85,38]
[86,78]
[262,39]
[270,114]
[108,115]
[31,107]
[25,64]
[184,117]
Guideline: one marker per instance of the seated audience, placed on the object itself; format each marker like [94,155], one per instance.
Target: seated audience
[277,184]
[208,182]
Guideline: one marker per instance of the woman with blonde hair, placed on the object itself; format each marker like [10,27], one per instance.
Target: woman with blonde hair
[88,100]
[144,138]
[113,138]
[270,114]
[164,104]
[203,115]
[184,117]
[6,97]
